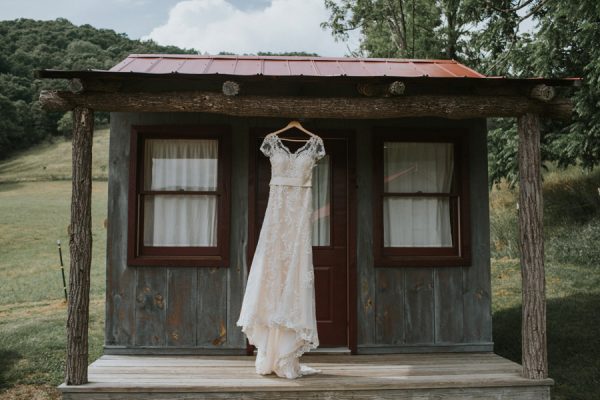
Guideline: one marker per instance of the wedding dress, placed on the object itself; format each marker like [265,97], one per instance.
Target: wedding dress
[278,309]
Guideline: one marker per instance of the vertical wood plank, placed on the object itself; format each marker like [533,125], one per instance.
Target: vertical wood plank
[448,305]
[181,307]
[212,307]
[476,277]
[534,347]
[237,271]
[389,306]
[120,280]
[151,297]
[80,246]
[364,239]
[419,313]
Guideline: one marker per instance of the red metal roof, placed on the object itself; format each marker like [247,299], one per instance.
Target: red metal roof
[291,66]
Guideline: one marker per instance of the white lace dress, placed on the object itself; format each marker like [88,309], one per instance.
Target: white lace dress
[278,310]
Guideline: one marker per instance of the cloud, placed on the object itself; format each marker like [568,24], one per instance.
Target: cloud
[216,25]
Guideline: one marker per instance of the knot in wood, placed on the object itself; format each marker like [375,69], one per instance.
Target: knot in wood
[543,93]
[396,88]
[231,88]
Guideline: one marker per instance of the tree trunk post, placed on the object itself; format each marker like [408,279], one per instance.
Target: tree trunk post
[534,347]
[80,246]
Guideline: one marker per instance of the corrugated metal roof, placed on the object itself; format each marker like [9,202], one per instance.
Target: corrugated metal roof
[292,66]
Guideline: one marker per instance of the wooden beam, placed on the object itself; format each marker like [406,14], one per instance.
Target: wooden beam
[446,106]
[80,243]
[534,348]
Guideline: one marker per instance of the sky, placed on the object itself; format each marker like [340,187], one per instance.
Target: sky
[209,26]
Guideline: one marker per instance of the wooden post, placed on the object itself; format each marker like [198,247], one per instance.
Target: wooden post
[534,349]
[80,243]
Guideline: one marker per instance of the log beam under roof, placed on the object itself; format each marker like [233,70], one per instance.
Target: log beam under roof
[445,106]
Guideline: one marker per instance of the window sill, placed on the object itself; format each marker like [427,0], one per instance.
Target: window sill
[422,261]
[178,261]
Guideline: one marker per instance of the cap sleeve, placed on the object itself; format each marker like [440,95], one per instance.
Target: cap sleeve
[267,146]
[319,150]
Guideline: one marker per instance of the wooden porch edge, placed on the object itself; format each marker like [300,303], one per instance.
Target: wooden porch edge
[171,351]
[343,374]
[484,347]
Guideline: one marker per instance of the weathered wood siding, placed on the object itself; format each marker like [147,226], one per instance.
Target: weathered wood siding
[167,309]
[194,310]
[425,309]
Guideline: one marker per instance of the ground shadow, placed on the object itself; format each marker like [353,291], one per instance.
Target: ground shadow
[8,186]
[573,332]
[8,358]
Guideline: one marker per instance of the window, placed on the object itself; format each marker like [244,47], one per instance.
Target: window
[421,205]
[178,196]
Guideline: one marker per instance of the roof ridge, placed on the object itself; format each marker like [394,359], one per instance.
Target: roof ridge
[299,58]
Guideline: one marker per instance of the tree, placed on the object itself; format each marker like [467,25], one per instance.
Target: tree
[391,28]
[417,28]
[567,45]
[488,35]
[564,44]
[28,45]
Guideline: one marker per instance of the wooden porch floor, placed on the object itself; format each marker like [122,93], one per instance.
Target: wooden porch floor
[448,376]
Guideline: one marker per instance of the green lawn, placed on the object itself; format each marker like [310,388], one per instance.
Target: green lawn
[34,213]
[572,244]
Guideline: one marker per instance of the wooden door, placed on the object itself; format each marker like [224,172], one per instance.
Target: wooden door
[330,232]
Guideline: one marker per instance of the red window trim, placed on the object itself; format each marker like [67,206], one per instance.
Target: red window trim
[140,255]
[460,253]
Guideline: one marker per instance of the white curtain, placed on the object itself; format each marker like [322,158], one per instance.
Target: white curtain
[412,168]
[321,203]
[180,220]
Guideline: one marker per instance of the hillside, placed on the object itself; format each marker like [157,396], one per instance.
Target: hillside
[27,45]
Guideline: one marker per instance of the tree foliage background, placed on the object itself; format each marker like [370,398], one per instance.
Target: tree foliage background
[27,45]
[490,36]
[487,35]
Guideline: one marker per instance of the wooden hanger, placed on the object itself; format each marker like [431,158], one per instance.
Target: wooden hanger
[292,124]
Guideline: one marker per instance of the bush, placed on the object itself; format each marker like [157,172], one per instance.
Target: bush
[575,244]
[65,125]
[504,228]
[571,218]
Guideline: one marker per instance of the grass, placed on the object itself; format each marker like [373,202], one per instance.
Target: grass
[572,233]
[34,213]
[52,161]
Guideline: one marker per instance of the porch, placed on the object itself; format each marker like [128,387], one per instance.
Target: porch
[450,376]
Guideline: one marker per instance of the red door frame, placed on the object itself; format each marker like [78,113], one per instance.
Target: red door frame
[349,136]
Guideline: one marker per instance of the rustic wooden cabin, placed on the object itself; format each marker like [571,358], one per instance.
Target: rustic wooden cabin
[400,228]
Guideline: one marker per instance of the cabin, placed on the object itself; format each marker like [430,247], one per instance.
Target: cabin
[400,227]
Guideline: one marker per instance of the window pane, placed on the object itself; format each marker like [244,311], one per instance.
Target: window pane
[181,164]
[184,221]
[417,167]
[321,203]
[416,222]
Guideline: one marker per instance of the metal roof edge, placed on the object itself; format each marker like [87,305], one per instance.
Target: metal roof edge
[105,74]
[295,58]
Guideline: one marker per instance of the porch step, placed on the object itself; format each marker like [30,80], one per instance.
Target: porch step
[448,376]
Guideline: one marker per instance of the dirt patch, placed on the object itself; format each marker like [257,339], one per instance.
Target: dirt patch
[37,308]
[31,392]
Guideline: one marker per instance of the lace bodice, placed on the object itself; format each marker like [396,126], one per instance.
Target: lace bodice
[292,168]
